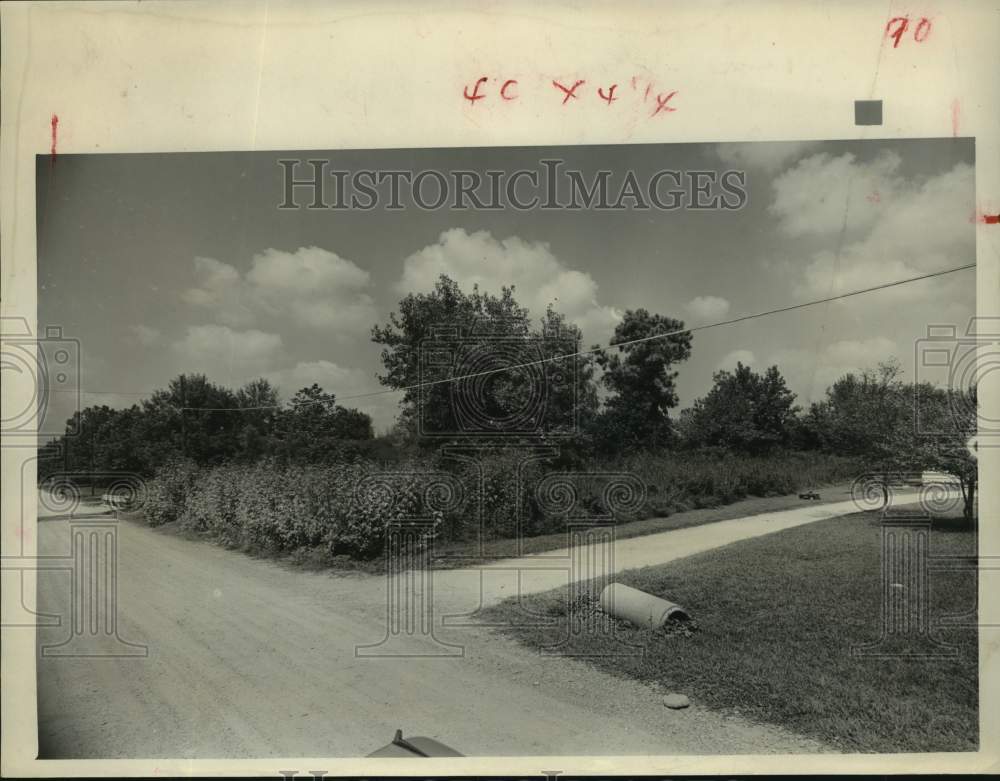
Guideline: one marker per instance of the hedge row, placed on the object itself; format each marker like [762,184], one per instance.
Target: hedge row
[345,507]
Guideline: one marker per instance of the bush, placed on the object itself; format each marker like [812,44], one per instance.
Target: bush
[271,507]
[710,478]
[167,493]
[343,509]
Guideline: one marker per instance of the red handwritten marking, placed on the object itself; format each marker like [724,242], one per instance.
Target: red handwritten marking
[483,87]
[900,24]
[661,103]
[875,197]
[55,131]
[570,91]
[985,219]
[955,108]
[475,91]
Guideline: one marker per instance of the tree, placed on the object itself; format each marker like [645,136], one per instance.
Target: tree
[943,437]
[896,427]
[863,415]
[744,411]
[314,428]
[193,418]
[259,408]
[447,333]
[640,377]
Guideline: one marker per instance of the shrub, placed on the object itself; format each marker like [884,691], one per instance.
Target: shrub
[713,477]
[166,494]
[343,509]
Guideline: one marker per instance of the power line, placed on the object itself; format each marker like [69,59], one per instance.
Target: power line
[664,335]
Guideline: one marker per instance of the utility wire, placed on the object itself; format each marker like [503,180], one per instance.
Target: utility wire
[664,335]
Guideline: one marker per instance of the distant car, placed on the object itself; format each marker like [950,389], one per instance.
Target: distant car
[416,746]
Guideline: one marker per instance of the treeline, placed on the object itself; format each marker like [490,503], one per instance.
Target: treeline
[208,424]
[599,406]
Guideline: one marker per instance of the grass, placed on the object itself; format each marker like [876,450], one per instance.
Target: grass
[774,621]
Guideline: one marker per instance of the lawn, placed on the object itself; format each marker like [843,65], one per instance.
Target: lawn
[774,622]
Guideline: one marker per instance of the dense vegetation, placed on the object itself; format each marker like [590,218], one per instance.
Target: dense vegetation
[253,470]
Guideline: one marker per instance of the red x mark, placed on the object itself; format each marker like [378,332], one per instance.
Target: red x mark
[568,90]
[661,103]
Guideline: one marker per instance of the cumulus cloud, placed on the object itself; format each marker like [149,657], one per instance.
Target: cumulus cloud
[539,277]
[311,287]
[891,227]
[705,308]
[823,194]
[769,156]
[226,354]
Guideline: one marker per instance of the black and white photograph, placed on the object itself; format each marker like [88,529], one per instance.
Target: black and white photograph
[522,451]
[603,445]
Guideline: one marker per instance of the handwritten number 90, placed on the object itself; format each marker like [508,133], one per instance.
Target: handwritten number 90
[898,26]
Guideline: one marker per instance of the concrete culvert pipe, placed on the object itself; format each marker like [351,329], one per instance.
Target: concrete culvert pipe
[640,608]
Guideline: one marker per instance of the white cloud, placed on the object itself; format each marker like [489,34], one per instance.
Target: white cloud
[706,308]
[311,287]
[896,227]
[221,291]
[826,195]
[729,360]
[145,335]
[767,156]
[226,355]
[539,277]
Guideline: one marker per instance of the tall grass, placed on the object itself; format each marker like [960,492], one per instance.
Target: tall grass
[337,507]
[691,480]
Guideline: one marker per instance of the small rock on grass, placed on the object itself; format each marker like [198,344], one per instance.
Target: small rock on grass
[676,701]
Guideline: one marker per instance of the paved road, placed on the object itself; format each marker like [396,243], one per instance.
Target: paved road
[250,658]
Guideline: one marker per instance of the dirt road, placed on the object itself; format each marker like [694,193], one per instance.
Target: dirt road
[250,658]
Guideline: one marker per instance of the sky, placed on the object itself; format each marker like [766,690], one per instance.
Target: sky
[160,264]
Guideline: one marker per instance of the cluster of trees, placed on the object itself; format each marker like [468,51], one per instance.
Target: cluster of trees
[209,424]
[608,401]
[636,376]
[621,399]
[898,427]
